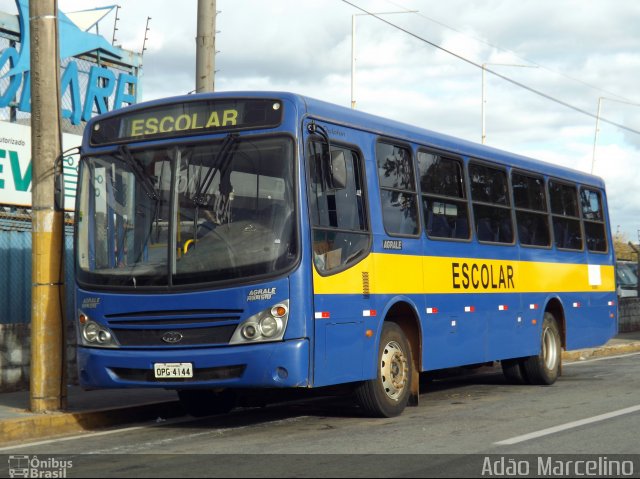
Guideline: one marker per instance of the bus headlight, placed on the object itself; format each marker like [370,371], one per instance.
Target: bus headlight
[249,331]
[93,334]
[267,325]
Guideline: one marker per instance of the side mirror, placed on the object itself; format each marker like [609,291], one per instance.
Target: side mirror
[337,171]
[58,198]
[66,157]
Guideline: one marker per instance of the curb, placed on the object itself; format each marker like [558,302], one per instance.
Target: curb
[603,351]
[37,426]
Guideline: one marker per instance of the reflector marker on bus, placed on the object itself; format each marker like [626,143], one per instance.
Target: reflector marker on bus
[322,315]
[611,303]
[432,310]
[469,309]
[533,306]
[503,307]
[369,312]
[576,305]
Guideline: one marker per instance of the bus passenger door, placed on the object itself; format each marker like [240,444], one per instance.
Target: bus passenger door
[341,242]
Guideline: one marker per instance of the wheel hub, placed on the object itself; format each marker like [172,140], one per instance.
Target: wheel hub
[394,370]
[549,348]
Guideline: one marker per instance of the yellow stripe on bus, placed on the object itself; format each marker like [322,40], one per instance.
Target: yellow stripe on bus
[405,274]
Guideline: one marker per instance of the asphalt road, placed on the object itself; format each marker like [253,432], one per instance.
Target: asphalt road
[594,409]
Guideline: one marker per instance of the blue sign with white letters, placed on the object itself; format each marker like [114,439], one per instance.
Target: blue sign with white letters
[102,82]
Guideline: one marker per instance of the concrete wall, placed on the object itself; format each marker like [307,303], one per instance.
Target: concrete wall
[15,356]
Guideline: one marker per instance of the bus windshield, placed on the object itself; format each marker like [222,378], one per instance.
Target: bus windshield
[187,214]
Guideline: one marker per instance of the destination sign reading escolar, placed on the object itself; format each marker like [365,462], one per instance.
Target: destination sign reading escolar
[170,123]
[187,118]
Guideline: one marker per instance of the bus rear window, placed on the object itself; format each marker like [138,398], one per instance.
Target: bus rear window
[593,216]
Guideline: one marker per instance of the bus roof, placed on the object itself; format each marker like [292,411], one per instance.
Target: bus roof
[348,117]
[414,134]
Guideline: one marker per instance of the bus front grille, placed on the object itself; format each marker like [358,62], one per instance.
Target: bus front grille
[171,317]
[177,337]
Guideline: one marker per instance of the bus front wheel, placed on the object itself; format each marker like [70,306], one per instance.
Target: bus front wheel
[387,395]
[545,367]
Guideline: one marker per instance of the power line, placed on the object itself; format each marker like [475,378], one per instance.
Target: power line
[503,77]
[515,54]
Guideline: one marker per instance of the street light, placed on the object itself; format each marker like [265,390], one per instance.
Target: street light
[353,47]
[484,65]
[595,136]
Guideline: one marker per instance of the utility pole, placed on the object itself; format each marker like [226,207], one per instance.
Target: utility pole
[48,366]
[206,46]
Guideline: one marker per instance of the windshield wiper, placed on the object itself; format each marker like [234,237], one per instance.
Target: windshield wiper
[125,155]
[223,159]
[221,164]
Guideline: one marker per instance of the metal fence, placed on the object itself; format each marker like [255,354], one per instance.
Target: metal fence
[15,269]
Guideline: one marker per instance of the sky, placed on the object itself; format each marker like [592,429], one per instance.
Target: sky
[425,69]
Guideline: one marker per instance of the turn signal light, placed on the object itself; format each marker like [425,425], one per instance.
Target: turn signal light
[279,311]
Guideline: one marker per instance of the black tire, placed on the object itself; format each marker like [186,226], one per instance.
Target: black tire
[206,402]
[387,395]
[513,370]
[545,368]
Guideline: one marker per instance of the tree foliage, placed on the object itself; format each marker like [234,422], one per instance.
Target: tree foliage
[622,248]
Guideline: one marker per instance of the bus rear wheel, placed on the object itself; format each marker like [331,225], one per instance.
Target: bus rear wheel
[207,402]
[545,368]
[387,395]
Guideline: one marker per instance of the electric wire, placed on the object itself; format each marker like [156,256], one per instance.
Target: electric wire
[515,54]
[493,72]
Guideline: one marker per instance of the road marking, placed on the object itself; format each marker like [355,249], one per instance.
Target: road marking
[176,421]
[70,438]
[567,426]
[93,434]
[156,444]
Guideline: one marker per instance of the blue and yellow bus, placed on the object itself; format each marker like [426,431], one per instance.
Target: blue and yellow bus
[249,240]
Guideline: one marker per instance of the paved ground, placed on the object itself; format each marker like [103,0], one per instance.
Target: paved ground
[91,410]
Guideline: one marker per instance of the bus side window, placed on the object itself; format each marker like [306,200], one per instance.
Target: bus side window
[397,190]
[443,196]
[565,216]
[338,214]
[530,201]
[491,205]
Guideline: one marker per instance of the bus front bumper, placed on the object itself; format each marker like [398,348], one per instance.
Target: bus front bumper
[273,365]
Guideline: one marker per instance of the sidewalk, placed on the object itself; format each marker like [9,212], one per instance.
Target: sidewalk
[623,343]
[86,410]
[91,410]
